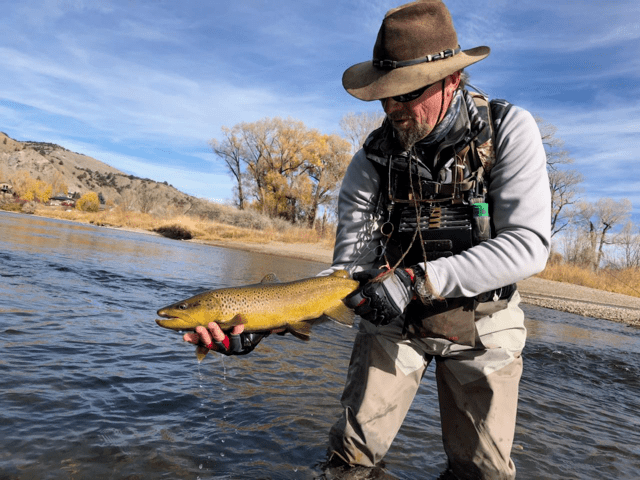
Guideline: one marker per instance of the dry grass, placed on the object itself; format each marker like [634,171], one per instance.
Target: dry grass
[625,281]
[233,228]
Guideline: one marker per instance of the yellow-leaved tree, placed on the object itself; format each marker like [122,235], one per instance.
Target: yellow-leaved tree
[287,169]
[30,189]
[89,202]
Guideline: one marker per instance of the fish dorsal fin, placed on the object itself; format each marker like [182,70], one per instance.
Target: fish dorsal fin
[301,330]
[341,314]
[270,278]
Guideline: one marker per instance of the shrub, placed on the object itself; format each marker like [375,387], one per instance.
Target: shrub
[176,232]
[11,207]
[89,202]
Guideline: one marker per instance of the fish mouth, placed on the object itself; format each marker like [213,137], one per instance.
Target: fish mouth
[173,323]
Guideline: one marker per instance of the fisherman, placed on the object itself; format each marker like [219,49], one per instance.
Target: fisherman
[441,212]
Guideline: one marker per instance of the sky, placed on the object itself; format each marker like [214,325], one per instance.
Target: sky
[144,85]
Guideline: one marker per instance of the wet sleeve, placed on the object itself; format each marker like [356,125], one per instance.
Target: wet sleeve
[521,201]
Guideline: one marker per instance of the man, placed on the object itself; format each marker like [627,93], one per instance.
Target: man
[440,214]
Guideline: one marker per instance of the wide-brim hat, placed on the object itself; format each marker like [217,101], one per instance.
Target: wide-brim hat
[416,46]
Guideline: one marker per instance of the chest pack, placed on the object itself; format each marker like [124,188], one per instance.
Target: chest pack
[433,201]
[433,198]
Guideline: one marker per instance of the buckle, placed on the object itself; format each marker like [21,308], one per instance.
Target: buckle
[385,64]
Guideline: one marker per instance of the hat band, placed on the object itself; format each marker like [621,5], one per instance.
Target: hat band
[392,64]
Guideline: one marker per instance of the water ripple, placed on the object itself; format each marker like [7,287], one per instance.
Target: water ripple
[92,388]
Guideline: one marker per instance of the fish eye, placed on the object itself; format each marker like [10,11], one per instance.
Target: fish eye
[183,306]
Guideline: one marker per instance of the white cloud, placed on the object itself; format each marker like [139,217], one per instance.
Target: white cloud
[160,79]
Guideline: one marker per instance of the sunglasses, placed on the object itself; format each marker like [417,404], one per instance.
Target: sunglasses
[407,97]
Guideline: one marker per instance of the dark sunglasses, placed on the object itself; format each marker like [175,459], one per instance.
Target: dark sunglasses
[407,97]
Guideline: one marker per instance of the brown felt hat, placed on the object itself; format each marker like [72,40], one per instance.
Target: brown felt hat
[416,46]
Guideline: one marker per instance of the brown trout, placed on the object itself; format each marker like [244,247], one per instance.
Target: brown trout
[269,305]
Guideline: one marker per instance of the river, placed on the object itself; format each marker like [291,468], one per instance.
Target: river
[91,387]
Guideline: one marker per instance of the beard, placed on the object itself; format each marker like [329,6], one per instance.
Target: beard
[412,133]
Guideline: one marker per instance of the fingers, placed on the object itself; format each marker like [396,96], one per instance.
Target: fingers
[206,336]
[237,330]
[191,338]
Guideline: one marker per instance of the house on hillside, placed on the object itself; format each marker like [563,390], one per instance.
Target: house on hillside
[62,201]
[6,187]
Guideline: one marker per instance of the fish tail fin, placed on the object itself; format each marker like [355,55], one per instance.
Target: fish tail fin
[201,352]
[341,314]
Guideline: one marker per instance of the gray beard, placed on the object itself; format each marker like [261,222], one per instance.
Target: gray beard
[408,138]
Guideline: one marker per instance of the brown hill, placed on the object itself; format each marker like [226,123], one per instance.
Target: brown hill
[83,174]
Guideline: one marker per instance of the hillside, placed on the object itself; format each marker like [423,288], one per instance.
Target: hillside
[83,174]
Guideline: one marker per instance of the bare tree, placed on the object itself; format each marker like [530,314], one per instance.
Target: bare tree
[148,197]
[127,199]
[563,181]
[231,151]
[356,127]
[628,240]
[598,220]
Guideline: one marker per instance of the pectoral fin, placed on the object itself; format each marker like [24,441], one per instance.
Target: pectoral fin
[270,278]
[236,320]
[341,314]
[301,330]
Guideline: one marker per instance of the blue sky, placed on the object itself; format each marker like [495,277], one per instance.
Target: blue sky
[144,85]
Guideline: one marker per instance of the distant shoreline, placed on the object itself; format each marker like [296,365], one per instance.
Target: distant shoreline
[565,297]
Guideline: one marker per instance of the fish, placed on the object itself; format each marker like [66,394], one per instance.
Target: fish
[269,305]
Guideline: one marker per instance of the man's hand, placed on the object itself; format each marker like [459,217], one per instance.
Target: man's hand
[214,339]
[382,296]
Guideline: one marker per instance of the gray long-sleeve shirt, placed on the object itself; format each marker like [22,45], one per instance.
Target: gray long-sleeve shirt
[518,190]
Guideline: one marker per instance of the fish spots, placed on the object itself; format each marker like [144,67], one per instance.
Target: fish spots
[267,306]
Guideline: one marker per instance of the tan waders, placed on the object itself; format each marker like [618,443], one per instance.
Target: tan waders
[477,390]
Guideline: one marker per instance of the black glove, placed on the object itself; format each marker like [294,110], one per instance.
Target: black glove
[239,344]
[381,300]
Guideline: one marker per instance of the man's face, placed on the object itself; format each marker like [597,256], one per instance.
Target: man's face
[414,120]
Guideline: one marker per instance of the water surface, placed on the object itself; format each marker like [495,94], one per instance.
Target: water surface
[91,387]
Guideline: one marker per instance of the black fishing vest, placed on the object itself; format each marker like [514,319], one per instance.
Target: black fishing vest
[433,198]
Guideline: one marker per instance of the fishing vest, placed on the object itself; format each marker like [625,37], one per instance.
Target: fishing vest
[433,198]
[433,203]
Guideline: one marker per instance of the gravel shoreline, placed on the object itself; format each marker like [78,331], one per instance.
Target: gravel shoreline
[584,301]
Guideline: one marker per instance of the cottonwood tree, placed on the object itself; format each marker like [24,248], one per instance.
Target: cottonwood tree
[230,150]
[597,220]
[563,182]
[628,242]
[276,164]
[286,169]
[356,127]
[328,159]
[59,186]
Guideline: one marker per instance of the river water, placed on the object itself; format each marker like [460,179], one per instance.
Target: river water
[91,387]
